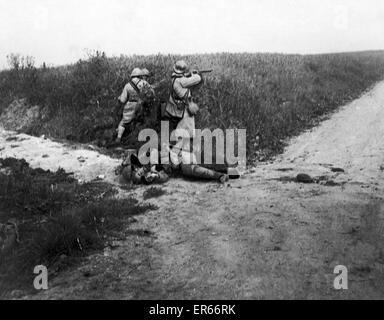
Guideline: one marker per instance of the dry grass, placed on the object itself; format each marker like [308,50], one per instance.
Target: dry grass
[153,192]
[56,217]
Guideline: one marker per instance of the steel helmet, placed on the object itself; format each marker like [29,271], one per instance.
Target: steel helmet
[146,72]
[137,72]
[180,67]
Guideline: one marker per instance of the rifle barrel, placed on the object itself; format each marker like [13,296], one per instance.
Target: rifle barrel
[206,71]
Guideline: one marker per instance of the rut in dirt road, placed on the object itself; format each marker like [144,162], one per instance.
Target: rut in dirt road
[263,236]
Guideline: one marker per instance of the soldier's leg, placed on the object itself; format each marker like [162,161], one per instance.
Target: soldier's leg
[128,115]
[172,121]
[233,173]
[195,171]
[173,124]
[120,131]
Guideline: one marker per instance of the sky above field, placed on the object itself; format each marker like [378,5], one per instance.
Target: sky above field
[60,31]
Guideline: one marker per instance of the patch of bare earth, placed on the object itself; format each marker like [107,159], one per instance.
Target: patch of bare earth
[265,236]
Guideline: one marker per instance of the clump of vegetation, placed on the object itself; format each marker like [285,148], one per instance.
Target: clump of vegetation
[273,96]
[55,217]
[153,192]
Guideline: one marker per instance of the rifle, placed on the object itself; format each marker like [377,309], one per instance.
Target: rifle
[203,71]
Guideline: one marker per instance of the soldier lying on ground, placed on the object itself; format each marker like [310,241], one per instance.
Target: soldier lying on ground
[181,162]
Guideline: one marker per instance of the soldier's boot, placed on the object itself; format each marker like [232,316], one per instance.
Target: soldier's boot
[195,171]
[120,132]
[233,173]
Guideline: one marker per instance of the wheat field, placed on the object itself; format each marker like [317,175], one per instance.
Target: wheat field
[273,96]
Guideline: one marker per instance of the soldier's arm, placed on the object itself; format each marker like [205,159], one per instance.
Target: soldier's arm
[124,95]
[193,80]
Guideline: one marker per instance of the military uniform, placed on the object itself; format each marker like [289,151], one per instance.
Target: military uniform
[182,83]
[186,162]
[133,100]
[133,171]
[181,87]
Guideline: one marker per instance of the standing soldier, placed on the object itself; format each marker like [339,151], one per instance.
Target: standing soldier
[134,94]
[182,83]
[149,100]
[151,105]
[146,74]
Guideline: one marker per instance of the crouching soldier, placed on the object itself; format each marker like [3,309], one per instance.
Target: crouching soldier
[134,94]
[150,102]
[146,74]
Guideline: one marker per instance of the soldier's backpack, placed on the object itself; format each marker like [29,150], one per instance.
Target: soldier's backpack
[145,94]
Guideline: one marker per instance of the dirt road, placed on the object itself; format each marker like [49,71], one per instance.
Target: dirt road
[264,236]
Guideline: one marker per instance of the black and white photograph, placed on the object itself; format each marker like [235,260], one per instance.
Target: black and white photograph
[190,150]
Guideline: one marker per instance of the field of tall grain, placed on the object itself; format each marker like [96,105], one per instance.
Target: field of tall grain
[273,96]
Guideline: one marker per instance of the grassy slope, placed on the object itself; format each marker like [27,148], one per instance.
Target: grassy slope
[56,217]
[273,96]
